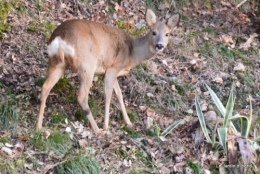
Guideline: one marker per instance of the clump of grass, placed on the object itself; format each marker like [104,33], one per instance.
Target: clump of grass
[131,132]
[80,164]
[8,116]
[7,166]
[137,171]
[196,168]
[57,142]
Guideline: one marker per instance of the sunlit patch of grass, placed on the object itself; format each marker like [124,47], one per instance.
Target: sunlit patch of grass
[44,27]
[5,7]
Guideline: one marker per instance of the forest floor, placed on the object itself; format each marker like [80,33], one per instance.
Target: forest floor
[215,44]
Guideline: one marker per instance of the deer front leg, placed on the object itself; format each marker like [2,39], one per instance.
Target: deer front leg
[109,83]
[121,102]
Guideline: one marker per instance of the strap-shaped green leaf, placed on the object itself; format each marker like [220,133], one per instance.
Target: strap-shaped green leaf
[201,120]
[171,127]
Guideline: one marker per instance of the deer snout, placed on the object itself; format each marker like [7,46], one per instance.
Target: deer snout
[159,46]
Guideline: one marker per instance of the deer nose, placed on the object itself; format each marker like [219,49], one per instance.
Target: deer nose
[159,46]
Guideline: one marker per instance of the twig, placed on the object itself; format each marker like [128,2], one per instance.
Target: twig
[51,166]
[241,3]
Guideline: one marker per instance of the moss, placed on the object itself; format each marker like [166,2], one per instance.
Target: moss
[45,27]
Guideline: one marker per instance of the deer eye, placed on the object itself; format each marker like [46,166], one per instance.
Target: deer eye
[167,34]
[154,33]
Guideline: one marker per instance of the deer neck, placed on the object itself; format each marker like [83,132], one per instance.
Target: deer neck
[142,49]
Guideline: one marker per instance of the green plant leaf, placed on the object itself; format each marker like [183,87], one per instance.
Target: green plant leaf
[244,125]
[229,109]
[250,119]
[222,133]
[171,127]
[201,120]
[213,138]
[216,100]
[220,106]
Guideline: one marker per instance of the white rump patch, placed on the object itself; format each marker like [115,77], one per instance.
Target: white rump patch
[53,48]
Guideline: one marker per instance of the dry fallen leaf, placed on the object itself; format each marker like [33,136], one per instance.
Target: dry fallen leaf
[83,143]
[173,88]
[142,108]
[227,39]
[149,122]
[239,67]
[68,129]
[150,95]
[7,150]
[204,105]
[47,133]
[250,40]
[218,80]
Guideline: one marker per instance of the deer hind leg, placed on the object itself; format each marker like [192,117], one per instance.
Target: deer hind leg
[54,74]
[86,78]
[121,102]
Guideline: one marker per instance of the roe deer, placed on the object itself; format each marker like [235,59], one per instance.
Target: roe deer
[90,48]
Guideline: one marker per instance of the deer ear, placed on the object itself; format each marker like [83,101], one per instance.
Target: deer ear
[173,21]
[150,17]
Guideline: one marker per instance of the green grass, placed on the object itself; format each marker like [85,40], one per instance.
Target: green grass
[81,164]
[133,133]
[5,8]
[9,116]
[59,143]
[196,168]
[44,27]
